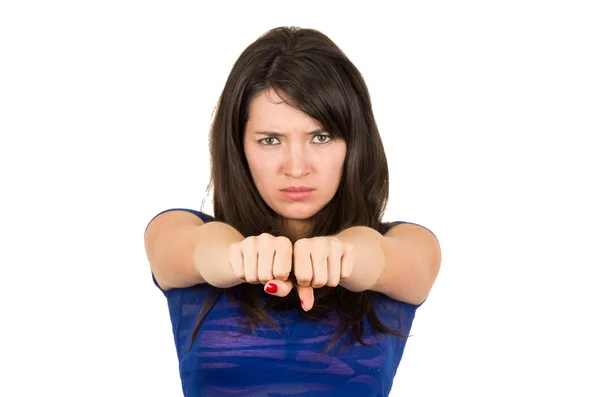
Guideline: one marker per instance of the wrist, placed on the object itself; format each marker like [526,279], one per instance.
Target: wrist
[368,258]
[211,255]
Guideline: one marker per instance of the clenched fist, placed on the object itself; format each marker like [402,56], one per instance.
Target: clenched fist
[261,259]
[269,260]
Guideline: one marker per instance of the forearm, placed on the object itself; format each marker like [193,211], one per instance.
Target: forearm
[403,264]
[211,254]
[183,253]
[369,257]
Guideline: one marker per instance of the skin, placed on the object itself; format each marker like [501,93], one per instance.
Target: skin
[402,264]
[285,147]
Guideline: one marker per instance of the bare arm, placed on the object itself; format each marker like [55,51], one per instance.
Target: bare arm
[403,264]
[369,258]
[183,251]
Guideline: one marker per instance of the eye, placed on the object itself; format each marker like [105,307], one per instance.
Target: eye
[322,138]
[267,141]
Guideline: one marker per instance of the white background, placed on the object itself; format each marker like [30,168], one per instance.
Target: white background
[490,113]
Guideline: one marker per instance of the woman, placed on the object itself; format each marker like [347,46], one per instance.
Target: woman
[294,287]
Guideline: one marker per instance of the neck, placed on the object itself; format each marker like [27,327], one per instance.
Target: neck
[295,229]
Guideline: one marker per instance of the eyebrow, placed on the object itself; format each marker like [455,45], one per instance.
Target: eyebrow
[278,134]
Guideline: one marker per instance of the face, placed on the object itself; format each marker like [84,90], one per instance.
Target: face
[287,149]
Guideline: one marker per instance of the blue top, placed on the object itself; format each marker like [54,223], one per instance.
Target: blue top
[283,363]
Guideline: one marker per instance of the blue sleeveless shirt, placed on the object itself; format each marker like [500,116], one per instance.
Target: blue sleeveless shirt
[226,361]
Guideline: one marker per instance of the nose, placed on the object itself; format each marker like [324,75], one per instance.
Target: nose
[296,162]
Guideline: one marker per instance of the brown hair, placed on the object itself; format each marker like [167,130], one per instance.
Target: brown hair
[310,70]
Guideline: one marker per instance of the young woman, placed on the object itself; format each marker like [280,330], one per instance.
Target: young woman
[294,287]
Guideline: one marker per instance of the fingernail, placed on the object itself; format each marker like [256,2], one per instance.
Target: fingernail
[271,288]
[302,304]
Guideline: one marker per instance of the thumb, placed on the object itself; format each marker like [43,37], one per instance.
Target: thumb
[278,287]
[307,297]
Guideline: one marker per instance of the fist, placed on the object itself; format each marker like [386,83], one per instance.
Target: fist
[267,259]
[321,261]
[263,259]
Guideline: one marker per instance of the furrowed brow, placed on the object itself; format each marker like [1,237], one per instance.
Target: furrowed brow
[278,134]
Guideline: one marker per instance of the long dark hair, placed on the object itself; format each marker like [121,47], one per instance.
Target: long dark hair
[312,72]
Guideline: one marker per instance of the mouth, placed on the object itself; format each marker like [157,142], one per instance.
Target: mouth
[295,189]
[296,192]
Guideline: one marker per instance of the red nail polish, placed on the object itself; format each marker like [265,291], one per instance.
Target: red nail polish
[302,303]
[271,288]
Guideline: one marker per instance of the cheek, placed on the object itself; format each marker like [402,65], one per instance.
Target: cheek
[261,171]
[339,162]
[334,171]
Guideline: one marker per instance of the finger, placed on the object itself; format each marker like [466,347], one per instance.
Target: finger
[303,269]
[282,262]
[319,268]
[347,263]
[266,254]
[307,297]
[278,287]
[236,261]
[250,264]
[334,265]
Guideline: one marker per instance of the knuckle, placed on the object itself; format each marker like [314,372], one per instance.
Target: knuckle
[280,274]
[321,242]
[251,278]
[266,243]
[264,278]
[283,242]
[264,238]
[303,280]
[300,243]
[318,283]
[248,247]
[332,282]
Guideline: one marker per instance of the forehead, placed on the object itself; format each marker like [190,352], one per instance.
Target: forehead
[268,111]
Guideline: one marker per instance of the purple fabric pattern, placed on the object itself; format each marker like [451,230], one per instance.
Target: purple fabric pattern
[282,363]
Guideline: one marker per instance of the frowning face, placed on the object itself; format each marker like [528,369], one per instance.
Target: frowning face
[295,164]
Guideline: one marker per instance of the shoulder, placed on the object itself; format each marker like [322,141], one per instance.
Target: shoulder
[396,227]
[173,211]
[202,215]
[386,226]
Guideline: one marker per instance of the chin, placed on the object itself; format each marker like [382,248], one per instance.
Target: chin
[296,211]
